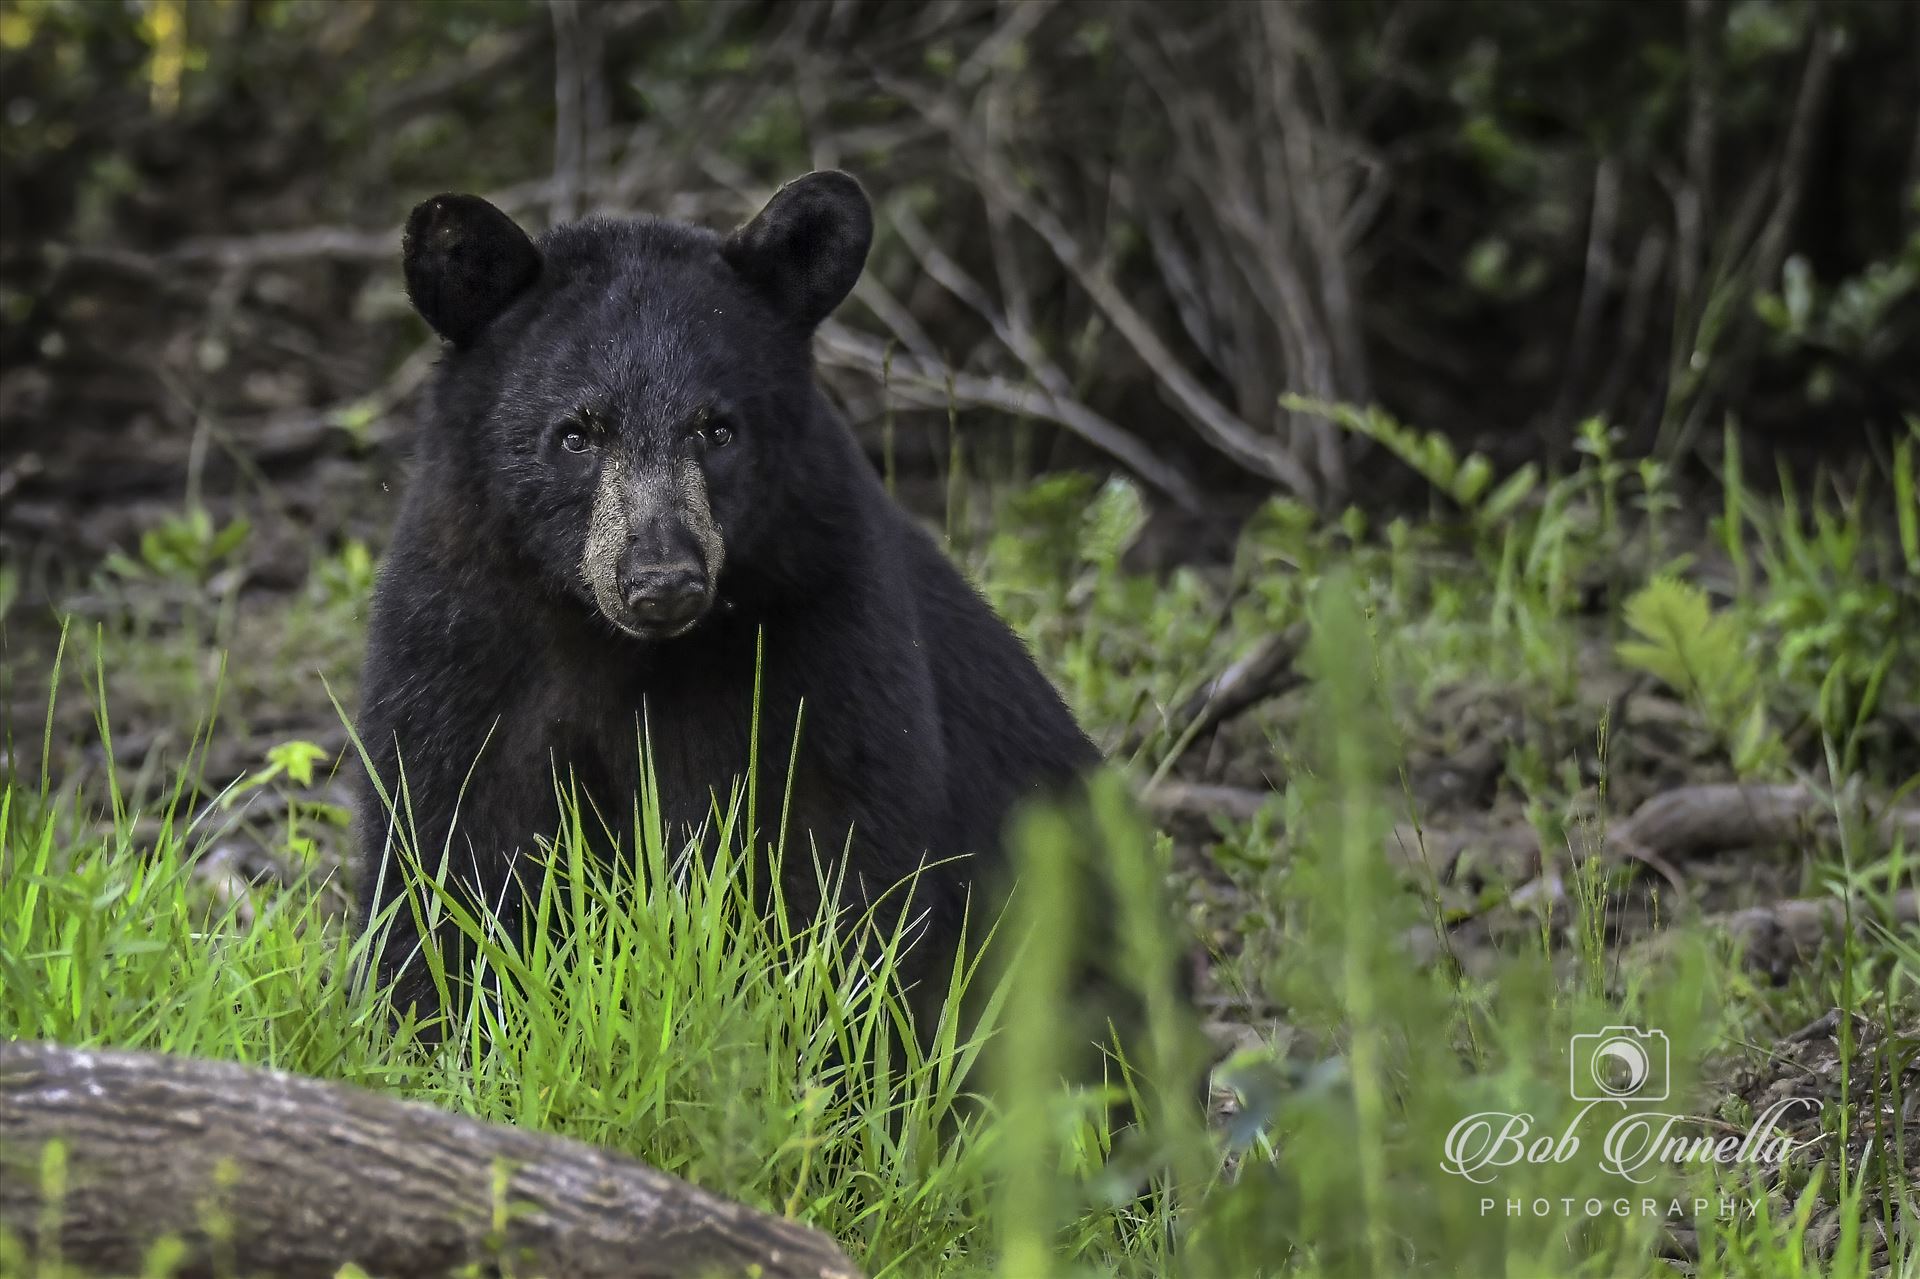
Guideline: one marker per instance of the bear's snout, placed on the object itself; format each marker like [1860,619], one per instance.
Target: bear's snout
[662,599]
[653,553]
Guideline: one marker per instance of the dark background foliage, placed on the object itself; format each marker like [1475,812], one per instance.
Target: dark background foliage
[1111,233]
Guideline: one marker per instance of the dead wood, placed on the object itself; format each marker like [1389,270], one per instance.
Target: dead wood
[1778,937]
[1199,801]
[1268,671]
[1796,927]
[258,1172]
[1007,198]
[1689,821]
[1705,819]
[923,385]
[1693,821]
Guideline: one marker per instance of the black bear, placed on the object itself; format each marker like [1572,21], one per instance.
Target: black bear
[628,483]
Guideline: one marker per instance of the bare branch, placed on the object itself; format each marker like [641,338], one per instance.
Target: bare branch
[949,275]
[1200,801]
[348,244]
[927,387]
[1213,420]
[569,108]
[1596,282]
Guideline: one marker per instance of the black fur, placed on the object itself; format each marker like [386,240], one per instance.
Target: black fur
[925,719]
[806,248]
[464,262]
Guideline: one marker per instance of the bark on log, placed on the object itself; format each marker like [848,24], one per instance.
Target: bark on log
[259,1172]
[1777,939]
[1688,821]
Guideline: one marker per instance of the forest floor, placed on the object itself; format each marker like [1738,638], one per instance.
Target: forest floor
[1590,738]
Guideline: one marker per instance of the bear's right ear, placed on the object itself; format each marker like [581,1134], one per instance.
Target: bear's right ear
[465,261]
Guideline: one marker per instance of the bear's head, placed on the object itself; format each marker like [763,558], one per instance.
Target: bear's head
[629,395]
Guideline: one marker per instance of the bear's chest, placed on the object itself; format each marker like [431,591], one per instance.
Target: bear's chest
[689,725]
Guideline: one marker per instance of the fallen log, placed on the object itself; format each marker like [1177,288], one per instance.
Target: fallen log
[258,1172]
[1777,938]
[1686,822]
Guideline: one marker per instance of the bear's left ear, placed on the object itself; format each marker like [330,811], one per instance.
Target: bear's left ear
[465,261]
[806,248]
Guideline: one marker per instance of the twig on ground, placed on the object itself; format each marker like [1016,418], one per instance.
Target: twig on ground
[1271,669]
[1203,802]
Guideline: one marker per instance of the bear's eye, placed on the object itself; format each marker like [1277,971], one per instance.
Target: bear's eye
[574,442]
[712,429]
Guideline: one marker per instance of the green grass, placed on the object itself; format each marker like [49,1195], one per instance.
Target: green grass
[670,1023]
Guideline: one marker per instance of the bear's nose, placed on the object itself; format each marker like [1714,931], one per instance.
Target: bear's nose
[666,596]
